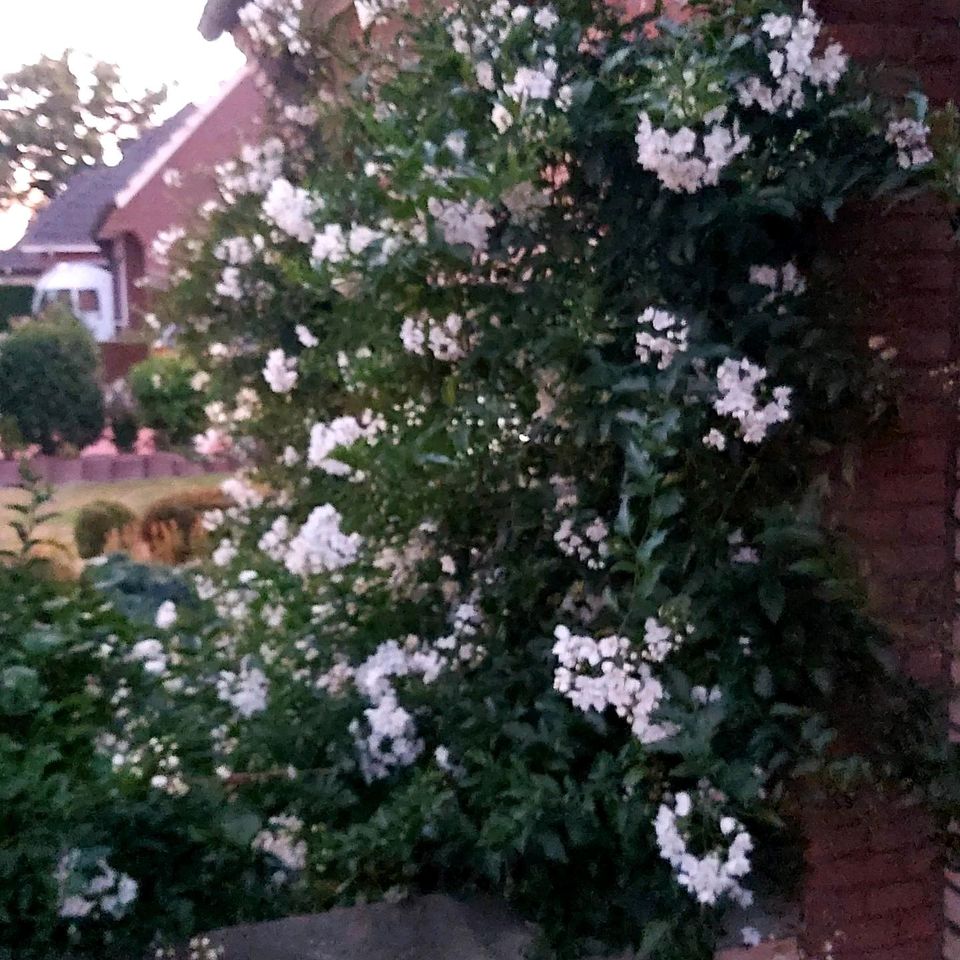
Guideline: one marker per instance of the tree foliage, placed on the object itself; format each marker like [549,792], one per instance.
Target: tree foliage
[56,119]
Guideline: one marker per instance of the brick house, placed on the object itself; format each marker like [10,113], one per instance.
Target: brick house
[875,886]
[94,244]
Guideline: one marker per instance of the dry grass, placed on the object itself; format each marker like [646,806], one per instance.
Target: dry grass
[138,495]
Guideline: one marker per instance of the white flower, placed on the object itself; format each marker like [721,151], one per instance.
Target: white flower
[444,338]
[282,840]
[212,442]
[280,371]
[546,18]
[456,143]
[291,209]
[330,245]
[674,157]
[502,118]
[306,338]
[321,546]
[910,139]
[326,437]
[484,72]
[751,937]
[166,615]
[412,336]
[200,381]
[361,237]
[462,222]
[245,691]
[224,554]
[230,285]
[667,339]
[659,640]
[715,875]
[738,383]
[371,11]
[236,251]
[530,84]
[793,68]
[107,893]
[596,675]
[715,439]
[264,165]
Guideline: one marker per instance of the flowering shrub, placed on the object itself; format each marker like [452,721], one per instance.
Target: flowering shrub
[168,397]
[527,347]
[94,862]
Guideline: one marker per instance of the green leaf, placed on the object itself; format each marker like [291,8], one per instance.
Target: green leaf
[19,690]
[240,828]
[42,640]
[553,847]
[763,683]
[772,598]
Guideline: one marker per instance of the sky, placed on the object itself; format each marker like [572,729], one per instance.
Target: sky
[154,42]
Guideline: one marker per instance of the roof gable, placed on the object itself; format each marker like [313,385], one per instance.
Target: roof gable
[72,220]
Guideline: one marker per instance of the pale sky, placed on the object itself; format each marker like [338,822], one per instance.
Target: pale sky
[153,42]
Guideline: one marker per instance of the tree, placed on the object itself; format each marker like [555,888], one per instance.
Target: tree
[55,118]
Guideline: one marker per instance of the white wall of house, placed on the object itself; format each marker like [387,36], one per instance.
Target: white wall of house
[87,290]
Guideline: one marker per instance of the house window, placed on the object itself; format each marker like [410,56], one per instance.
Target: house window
[88,300]
[57,296]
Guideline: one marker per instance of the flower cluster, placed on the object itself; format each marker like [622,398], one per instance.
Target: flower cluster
[281,840]
[662,334]
[463,222]
[738,385]
[443,338]
[715,875]
[340,433]
[792,64]
[106,893]
[245,690]
[780,281]
[910,139]
[609,672]
[259,167]
[291,209]
[321,546]
[387,737]
[586,540]
[280,371]
[685,161]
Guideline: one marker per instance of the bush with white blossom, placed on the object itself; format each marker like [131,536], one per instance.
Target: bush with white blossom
[526,348]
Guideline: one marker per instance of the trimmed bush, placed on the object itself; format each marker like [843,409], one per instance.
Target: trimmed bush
[48,369]
[166,400]
[94,524]
[173,527]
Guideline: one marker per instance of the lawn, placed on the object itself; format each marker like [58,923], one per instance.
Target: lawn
[68,500]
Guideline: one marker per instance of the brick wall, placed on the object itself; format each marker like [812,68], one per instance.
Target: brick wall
[875,886]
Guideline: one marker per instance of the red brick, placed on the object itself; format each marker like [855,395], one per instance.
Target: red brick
[925,949]
[898,896]
[910,489]
[926,666]
[827,846]
[932,345]
[891,929]
[874,871]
